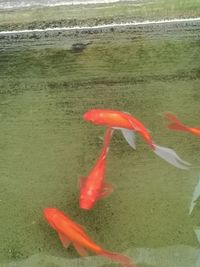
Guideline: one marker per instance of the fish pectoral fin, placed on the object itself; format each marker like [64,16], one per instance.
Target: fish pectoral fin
[80,250]
[79,227]
[64,240]
[81,182]
[129,136]
[106,191]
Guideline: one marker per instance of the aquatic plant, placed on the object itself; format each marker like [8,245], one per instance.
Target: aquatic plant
[196,195]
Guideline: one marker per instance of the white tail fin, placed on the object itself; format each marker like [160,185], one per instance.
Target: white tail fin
[170,156]
[128,135]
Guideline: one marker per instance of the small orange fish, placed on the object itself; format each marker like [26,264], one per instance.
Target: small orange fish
[128,125]
[176,125]
[71,232]
[93,187]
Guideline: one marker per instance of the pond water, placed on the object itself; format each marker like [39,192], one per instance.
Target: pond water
[5,4]
[47,82]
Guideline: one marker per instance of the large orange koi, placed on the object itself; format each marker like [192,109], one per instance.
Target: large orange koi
[71,232]
[93,187]
[128,125]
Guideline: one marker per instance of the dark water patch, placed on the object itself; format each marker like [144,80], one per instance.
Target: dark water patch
[79,47]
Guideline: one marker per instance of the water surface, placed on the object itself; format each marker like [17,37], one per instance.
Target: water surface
[4,4]
[47,81]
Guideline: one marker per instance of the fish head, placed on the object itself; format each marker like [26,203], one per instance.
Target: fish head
[49,215]
[93,116]
[86,201]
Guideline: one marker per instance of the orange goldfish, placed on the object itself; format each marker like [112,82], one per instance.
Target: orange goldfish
[71,232]
[128,125]
[178,126]
[93,187]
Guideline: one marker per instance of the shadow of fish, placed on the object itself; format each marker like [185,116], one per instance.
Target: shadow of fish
[79,47]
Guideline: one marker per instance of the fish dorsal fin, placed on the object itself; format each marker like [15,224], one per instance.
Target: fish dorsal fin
[81,182]
[80,250]
[135,128]
[106,190]
[79,228]
[64,240]
[105,154]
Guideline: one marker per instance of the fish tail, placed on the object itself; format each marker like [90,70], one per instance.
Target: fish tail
[170,156]
[121,259]
[175,123]
[107,138]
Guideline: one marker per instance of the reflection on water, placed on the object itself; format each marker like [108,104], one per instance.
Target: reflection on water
[197,231]
[174,256]
[4,4]
[45,87]
[195,197]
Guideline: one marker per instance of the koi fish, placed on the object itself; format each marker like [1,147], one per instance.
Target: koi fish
[93,187]
[178,126]
[128,125]
[71,232]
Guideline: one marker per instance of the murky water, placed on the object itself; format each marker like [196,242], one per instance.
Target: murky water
[46,83]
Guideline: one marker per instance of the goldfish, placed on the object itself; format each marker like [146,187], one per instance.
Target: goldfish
[71,232]
[128,126]
[178,126]
[93,187]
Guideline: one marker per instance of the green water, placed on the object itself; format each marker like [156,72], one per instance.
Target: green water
[45,87]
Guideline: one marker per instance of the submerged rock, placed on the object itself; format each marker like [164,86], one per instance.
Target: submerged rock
[79,47]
